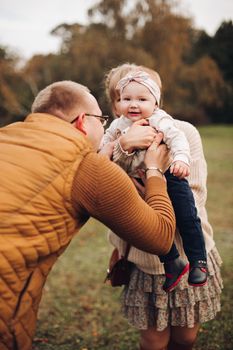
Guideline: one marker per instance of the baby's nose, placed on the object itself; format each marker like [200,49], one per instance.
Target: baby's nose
[133,103]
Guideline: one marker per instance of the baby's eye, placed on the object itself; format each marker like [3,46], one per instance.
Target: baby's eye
[126,99]
[142,99]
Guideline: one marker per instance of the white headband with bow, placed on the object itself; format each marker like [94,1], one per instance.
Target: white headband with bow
[141,78]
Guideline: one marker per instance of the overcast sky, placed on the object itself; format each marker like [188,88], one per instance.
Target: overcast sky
[25,24]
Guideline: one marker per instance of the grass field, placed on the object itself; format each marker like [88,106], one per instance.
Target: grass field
[79,312]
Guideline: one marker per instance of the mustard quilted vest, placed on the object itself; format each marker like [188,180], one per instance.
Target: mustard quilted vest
[38,160]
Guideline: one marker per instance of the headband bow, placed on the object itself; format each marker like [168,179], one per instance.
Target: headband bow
[141,78]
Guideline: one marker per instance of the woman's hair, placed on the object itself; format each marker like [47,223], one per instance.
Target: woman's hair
[115,74]
[60,96]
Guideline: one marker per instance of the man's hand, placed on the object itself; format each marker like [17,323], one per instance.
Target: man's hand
[140,135]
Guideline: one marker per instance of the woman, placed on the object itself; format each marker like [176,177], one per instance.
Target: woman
[166,321]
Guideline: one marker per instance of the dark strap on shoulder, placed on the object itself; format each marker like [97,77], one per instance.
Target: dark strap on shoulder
[128,246]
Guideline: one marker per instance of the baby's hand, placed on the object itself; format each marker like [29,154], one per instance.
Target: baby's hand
[107,149]
[180,169]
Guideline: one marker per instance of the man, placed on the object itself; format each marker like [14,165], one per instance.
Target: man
[52,181]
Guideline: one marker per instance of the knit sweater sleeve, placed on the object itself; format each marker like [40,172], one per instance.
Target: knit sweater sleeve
[198,167]
[173,137]
[110,133]
[105,192]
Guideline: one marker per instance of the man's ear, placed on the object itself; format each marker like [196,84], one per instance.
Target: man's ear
[79,124]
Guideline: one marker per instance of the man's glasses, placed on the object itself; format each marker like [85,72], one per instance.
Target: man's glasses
[102,118]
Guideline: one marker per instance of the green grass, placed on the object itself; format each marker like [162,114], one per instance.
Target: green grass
[79,312]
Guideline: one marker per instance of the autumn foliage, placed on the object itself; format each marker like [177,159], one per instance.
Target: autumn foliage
[196,69]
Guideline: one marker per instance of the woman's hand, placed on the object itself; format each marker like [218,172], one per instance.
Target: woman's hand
[140,135]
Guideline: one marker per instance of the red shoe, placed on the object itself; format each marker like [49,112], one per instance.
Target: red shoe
[174,270]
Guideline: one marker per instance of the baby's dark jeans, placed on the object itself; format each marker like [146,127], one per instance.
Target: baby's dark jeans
[187,220]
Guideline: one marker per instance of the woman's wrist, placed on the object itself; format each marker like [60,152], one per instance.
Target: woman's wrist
[151,168]
[153,171]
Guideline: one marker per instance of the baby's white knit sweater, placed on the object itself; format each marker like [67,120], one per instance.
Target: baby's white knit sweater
[197,180]
[173,137]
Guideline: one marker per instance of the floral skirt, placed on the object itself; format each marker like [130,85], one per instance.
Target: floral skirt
[145,304]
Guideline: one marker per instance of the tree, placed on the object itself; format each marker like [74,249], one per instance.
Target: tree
[88,52]
[195,68]
[220,49]
[112,11]
[12,88]
[200,87]
[155,28]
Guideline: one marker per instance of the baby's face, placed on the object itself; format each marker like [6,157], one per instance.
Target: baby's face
[136,102]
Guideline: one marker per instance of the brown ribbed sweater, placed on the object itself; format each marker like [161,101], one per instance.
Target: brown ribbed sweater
[102,190]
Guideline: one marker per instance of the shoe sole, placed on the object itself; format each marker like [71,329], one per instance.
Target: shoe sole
[197,285]
[186,269]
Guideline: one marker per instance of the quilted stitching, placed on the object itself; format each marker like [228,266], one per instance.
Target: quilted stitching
[37,219]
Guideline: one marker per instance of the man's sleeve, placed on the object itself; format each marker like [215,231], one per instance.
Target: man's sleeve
[106,193]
